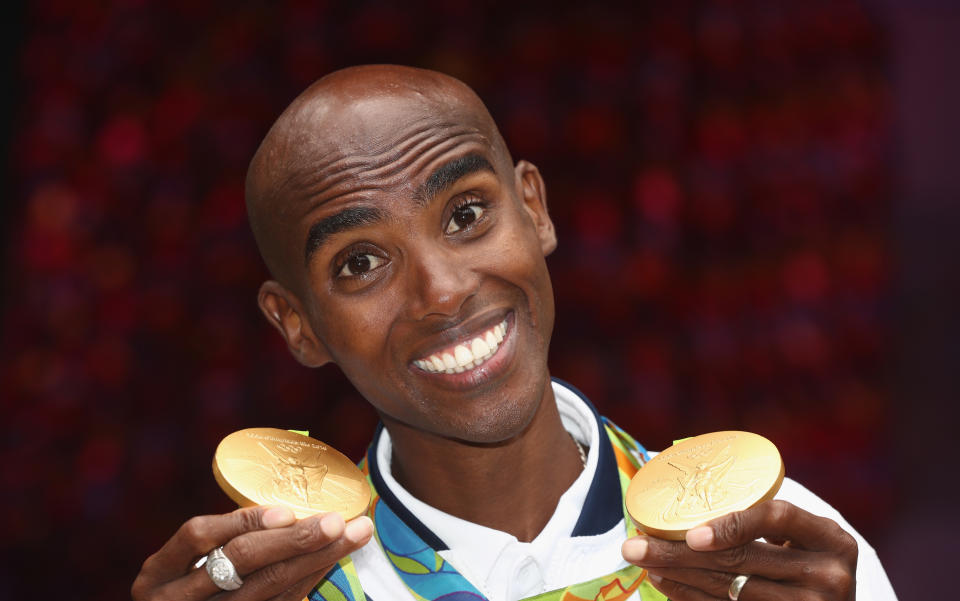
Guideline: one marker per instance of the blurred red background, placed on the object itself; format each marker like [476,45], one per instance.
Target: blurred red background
[742,245]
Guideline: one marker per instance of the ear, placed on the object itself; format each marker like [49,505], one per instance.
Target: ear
[284,312]
[533,193]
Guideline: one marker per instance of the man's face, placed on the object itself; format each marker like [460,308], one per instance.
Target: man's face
[425,278]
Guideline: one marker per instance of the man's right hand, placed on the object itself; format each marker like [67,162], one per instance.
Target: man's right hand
[276,555]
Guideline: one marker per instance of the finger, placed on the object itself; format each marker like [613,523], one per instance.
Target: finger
[301,590]
[201,534]
[710,582]
[677,591]
[778,519]
[770,561]
[717,584]
[265,549]
[278,578]
[254,550]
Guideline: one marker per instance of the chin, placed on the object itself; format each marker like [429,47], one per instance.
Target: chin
[499,420]
[493,427]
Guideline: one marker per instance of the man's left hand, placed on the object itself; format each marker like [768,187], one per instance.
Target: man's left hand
[805,557]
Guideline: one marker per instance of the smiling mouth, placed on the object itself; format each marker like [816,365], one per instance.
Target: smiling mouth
[467,354]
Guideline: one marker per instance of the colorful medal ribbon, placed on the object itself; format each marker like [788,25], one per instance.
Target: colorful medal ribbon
[429,577]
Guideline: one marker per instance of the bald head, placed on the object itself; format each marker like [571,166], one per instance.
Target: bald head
[356,120]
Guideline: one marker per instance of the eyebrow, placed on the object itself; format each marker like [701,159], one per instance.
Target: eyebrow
[447,174]
[353,217]
[347,219]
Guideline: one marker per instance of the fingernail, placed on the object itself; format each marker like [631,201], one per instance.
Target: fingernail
[277,517]
[654,578]
[700,537]
[634,549]
[332,525]
[359,530]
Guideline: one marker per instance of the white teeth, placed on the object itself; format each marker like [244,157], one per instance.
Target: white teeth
[468,355]
[479,348]
[491,341]
[462,355]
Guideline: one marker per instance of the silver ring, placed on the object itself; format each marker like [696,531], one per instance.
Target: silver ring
[736,586]
[222,571]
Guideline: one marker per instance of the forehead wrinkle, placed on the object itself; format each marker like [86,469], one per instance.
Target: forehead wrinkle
[311,174]
[380,163]
[348,172]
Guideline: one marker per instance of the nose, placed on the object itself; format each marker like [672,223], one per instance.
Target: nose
[441,280]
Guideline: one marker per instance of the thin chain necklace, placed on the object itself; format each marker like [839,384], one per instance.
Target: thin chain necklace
[580,449]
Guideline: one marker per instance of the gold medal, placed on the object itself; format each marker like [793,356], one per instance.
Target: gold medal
[269,466]
[701,478]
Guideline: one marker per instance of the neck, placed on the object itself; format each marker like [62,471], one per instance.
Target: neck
[512,486]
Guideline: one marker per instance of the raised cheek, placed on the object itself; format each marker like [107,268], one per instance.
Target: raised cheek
[519,252]
[527,268]
[507,242]
[358,330]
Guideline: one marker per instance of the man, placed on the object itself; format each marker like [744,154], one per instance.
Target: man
[408,248]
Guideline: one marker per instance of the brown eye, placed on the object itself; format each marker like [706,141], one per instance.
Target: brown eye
[463,217]
[360,264]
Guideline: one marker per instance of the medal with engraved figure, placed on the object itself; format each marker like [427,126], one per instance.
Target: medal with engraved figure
[702,478]
[269,466]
